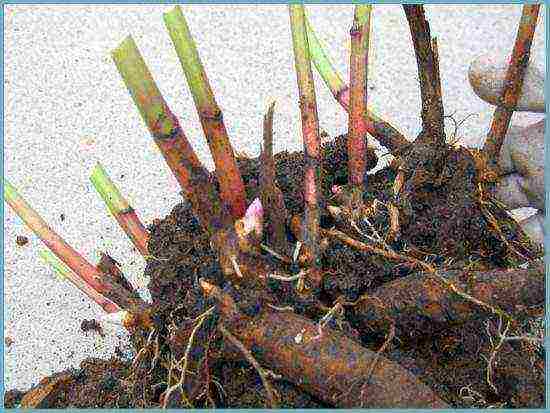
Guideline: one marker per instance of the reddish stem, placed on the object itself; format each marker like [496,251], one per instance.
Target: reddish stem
[311,137]
[232,189]
[357,127]
[82,268]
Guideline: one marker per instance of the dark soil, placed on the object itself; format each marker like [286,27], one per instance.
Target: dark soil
[443,224]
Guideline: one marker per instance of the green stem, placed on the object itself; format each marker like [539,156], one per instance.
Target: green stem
[120,209]
[311,137]
[231,184]
[167,133]
[324,66]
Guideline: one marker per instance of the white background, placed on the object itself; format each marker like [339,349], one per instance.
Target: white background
[66,108]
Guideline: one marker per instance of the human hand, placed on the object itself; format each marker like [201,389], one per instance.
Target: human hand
[521,158]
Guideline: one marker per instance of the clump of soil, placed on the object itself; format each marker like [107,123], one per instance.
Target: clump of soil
[181,254]
[92,326]
[21,240]
[97,383]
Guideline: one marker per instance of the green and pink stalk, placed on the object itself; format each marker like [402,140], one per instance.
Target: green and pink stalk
[325,68]
[156,114]
[120,209]
[232,190]
[64,273]
[357,126]
[166,132]
[311,137]
[380,129]
[85,271]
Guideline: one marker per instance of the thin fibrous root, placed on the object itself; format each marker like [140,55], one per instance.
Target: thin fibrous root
[336,308]
[296,252]
[235,265]
[280,257]
[185,359]
[142,352]
[502,337]
[286,278]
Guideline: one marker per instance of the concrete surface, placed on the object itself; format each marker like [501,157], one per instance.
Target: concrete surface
[66,108]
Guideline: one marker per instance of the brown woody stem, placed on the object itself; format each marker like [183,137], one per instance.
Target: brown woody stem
[428,73]
[311,137]
[513,82]
[271,195]
[111,270]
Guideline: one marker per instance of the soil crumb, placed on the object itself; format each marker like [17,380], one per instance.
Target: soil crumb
[93,326]
[21,240]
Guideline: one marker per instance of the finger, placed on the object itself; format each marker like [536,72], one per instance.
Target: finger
[510,192]
[526,148]
[505,157]
[487,75]
[534,227]
[526,153]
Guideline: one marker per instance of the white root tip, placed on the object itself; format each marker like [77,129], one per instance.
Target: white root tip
[119,318]
[334,210]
